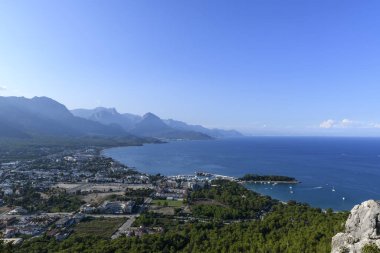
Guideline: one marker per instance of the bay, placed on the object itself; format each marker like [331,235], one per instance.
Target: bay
[335,173]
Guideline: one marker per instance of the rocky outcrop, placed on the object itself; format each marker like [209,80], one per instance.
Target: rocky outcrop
[362,228]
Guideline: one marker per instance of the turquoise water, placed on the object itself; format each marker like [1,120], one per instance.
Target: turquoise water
[330,169]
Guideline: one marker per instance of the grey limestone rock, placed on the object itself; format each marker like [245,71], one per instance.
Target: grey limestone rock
[362,227]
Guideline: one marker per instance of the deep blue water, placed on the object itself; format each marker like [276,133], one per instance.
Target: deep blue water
[351,166]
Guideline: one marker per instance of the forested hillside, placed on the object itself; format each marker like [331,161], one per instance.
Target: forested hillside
[290,227]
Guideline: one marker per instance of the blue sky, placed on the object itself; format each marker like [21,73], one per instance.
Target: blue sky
[263,67]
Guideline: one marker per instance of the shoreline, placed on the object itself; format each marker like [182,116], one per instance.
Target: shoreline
[336,205]
[215,176]
[231,178]
[269,182]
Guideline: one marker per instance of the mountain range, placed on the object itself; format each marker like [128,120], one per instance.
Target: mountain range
[150,125]
[42,116]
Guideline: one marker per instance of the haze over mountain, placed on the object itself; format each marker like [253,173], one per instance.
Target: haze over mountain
[152,126]
[108,116]
[215,132]
[42,116]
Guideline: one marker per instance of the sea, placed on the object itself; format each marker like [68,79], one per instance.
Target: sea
[335,173]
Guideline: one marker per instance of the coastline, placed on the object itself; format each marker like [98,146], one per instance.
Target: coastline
[214,176]
[317,192]
[269,182]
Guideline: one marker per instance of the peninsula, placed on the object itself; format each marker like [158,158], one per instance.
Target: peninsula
[254,178]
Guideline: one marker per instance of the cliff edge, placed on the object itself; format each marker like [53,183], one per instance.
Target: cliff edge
[362,228]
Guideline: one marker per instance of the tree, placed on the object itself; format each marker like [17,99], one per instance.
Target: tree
[371,248]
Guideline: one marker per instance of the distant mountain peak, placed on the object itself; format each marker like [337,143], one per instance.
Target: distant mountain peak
[150,115]
[43,116]
[41,98]
[111,110]
[152,125]
[151,120]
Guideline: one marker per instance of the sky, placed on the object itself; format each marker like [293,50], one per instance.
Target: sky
[264,67]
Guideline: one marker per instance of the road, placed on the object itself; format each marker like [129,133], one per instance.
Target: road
[100,187]
[111,215]
[6,215]
[127,225]
[122,229]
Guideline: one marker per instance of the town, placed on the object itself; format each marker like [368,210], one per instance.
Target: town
[81,191]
